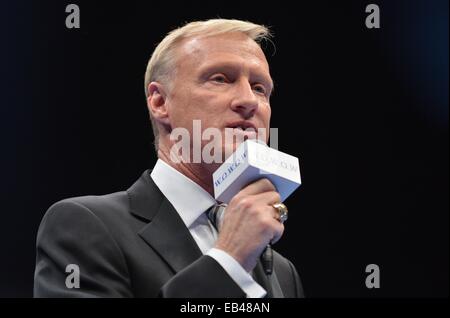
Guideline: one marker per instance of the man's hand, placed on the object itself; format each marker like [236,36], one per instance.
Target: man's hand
[250,223]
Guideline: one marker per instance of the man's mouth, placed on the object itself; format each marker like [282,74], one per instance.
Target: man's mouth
[243,125]
[243,130]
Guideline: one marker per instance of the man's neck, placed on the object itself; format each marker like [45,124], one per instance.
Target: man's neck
[200,173]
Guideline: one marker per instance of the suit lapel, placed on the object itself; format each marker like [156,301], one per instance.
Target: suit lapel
[170,238]
[165,233]
[168,235]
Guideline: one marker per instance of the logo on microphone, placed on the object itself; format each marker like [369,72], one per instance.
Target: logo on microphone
[232,167]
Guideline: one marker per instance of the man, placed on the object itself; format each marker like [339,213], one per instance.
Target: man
[155,239]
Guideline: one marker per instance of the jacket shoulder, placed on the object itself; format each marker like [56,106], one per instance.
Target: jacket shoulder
[102,206]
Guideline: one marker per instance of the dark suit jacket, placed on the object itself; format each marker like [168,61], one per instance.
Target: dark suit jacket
[134,244]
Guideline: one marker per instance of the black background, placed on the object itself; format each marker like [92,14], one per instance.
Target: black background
[365,110]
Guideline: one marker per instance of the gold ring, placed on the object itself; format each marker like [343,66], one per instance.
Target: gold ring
[282,211]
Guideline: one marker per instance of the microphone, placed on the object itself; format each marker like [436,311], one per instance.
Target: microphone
[251,161]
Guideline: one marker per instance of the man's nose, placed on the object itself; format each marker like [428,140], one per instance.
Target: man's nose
[246,102]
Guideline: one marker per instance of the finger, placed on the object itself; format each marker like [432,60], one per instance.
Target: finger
[273,227]
[260,186]
[269,198]
[278,229]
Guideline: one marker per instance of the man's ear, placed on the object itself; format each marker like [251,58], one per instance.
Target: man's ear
[156,103]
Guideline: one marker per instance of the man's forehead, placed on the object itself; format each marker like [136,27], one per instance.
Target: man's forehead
[204,47]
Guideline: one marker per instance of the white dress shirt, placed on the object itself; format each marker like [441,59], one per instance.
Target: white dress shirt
[191,201]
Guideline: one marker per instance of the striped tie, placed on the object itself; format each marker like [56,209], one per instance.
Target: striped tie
[215,214]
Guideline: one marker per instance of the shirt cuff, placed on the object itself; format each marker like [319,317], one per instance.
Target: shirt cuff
[244,280]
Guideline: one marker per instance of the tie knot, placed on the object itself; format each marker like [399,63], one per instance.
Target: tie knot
[215,214]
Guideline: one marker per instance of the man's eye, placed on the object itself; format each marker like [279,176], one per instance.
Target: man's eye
[219,79]
[260,89]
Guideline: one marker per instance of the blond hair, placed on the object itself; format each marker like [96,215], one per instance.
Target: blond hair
[161,65]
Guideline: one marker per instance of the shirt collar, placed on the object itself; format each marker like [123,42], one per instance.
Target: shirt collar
[187,197]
